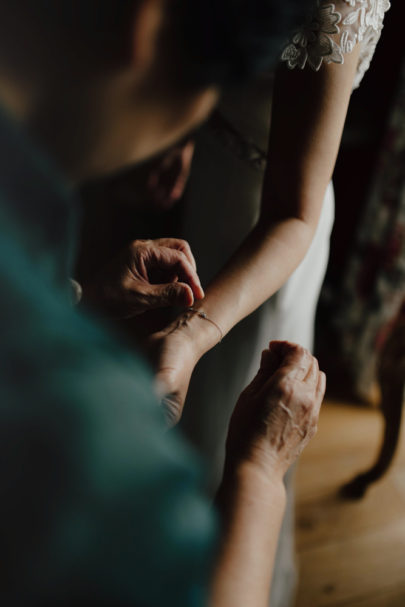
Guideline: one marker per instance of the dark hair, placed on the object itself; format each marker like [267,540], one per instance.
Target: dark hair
[228,41]
[216,42]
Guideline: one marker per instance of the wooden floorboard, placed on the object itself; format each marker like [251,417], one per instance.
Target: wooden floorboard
[351,554]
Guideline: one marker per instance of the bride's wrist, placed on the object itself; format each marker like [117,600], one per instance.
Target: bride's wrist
[201,329]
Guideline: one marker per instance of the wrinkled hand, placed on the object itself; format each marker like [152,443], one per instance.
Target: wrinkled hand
[148,274]
[277,414]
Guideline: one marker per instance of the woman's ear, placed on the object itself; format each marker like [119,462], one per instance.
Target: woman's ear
[148,21]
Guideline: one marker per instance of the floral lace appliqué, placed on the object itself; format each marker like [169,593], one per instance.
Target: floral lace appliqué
[333,30]
[312,44]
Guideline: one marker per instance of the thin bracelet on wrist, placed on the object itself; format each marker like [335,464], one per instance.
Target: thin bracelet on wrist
[202,314]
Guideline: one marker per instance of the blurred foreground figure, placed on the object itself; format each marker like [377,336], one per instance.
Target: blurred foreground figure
[99,505]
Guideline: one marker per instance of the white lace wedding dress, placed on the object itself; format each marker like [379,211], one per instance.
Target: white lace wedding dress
[222,206]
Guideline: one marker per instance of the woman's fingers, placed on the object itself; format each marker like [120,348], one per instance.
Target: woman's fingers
[283,362]
[175,262]
[180,245]
[291,361]
[320,390]
[297,383]
[266,369]
[313,373]
[294,360]
[186,273]
[269,361]
[171,294]
[269,364]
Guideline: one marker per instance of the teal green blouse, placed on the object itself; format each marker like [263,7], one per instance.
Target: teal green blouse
[98,503]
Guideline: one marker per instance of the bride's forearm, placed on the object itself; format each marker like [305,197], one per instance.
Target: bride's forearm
[303,145]
[256,271]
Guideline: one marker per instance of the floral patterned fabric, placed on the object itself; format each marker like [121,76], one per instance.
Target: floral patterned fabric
[373,292]
[333,30]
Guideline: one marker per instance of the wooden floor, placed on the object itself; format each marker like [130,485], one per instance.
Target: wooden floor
[351,554]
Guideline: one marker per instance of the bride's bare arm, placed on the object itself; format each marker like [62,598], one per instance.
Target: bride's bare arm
[309,110]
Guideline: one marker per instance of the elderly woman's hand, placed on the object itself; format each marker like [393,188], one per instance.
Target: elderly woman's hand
[277,414]
[147,274]
[175,351]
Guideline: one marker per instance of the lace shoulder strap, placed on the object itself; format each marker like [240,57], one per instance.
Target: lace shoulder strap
[333,29]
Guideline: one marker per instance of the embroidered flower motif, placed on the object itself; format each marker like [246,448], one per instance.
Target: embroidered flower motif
[313,42]
[357,21]
[376,15]
[354,2]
